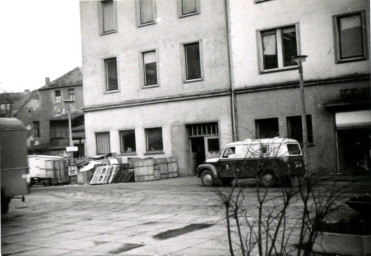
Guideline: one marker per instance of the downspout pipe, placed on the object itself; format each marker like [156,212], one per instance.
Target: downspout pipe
[231,77]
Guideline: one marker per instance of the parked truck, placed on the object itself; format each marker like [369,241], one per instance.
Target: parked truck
[13,161]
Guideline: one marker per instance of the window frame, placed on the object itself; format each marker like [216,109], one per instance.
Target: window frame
[36,129]
[57,98]
[337,38]
[96,142]
[184,62]
[134,152]
[139,16]
[106,80]
[143,70]
[279,48]
[148,151]
[101,18]
[183,15]
[258,123]
[71,94]
[309,121]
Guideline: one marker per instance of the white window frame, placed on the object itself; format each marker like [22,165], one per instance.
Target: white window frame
[96,141]
[143,70]
[337,38]
[148,151]
[180,9]
[278,33]
[184,62]
[58,99]
[105,73]
[71,96]
[138,9]
[121,142]
[101,18]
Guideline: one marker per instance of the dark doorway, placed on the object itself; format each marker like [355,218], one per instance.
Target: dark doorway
[198,152]
[354,150]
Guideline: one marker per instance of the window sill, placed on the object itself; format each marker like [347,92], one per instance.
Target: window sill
[193,80]
[188,14]
[146,24]
[341,61]
[155,153]
[262,72]
[113,91]
[150,86]
[128,154]
[108,32]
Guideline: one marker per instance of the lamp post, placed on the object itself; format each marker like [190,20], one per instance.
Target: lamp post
[299,59]
[68,107]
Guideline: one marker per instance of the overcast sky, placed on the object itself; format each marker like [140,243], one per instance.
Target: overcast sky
[39,38]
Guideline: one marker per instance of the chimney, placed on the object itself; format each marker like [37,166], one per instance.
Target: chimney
[47,80]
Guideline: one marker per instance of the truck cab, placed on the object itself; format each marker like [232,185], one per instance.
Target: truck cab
[270,161]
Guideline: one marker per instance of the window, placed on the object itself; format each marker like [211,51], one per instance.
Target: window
[295,130]
[146,12]
[108,19]
[278,46]
[154,139]
[350,37]
[189,7]
[111,74]
[128,141]
[228,152]
[213,145]
[36,129]
[149,68]
[267,128]
[192,61]
[58,96]
[71,94]
[103,142]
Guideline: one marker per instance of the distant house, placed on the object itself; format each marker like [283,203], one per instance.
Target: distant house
[45,114]
[10,102]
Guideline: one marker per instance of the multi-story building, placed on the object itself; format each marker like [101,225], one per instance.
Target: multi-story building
[156,79]
[45,113]
[182,78]
[334,36]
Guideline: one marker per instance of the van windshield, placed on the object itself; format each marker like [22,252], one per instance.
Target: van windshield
[294,149]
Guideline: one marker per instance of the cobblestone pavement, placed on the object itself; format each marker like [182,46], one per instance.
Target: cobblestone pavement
[166,217]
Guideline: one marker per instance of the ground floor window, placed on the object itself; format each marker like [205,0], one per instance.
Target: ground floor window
[295,129]
[103,142]
[127,140]
[154,139]
[267,128]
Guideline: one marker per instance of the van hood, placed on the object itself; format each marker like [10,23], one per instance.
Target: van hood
[212,160]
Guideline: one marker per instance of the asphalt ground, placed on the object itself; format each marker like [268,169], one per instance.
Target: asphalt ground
[166,217]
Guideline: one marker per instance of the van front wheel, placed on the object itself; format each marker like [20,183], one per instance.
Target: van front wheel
[267,179]
[207,178]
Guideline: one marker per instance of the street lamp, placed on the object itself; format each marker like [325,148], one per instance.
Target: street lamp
[299,59]
[68,107]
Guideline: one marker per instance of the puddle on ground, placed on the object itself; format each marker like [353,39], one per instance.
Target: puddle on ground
[126,247]
[180,231]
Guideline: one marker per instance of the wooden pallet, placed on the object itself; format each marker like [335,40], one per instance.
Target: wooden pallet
[102,175]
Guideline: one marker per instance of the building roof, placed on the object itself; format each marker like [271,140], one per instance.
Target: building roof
[74,115]
[72,78]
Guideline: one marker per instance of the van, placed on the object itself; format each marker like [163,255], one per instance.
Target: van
[13,158]
[270,161]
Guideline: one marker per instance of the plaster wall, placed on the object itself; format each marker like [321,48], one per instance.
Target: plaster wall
[316,38]
[166,36]
[172,117]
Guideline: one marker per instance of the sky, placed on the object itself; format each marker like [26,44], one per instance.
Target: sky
[39,39]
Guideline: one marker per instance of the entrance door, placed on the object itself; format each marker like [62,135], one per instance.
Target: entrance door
[197,151]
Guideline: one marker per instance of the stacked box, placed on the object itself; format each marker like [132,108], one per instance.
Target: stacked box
[172,167]
[144,169]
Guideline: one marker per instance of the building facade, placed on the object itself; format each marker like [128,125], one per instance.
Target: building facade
[335,38]
[45,114]
[182,78]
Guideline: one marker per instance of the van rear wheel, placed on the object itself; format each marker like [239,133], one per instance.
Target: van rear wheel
[267,179]
[207,178]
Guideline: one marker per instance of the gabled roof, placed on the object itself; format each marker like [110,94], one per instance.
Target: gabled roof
[72,78]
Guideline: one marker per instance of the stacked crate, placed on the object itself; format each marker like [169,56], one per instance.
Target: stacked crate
[149,169]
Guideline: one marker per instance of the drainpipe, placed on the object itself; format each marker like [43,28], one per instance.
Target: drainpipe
[231,78]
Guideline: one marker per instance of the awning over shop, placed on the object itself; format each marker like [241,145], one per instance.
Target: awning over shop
[353,119]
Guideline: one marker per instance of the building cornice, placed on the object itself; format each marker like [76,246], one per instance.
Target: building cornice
[53,87]
[294,84]
[158,100]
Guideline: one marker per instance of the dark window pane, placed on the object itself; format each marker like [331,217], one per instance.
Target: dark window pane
[36,129]
[270,59]
[289,45]
[267,128]
[150,68]
[293,149]
[111,73]
[108,15]
[154,139]
[189,6]
[128,141]
[351,41]
[146,11]
[193,64]
[295,129]
[213,145]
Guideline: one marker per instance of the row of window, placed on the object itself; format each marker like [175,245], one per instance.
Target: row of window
[58,95]
[192,64]
[146,13]
[269,128]
[153,138]
[277,46]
